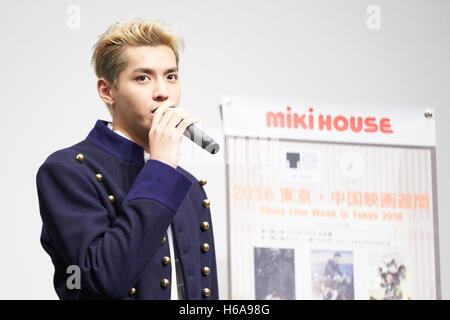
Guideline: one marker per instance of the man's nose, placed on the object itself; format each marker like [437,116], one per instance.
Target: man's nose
[160,92]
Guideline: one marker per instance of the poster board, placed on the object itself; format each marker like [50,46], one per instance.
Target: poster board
[329,201]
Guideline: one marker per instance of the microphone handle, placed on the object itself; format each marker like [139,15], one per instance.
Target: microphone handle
[199,137]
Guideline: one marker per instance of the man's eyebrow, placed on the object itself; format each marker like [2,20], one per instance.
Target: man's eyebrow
[150,71]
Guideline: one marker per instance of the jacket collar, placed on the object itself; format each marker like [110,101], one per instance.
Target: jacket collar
[111,142]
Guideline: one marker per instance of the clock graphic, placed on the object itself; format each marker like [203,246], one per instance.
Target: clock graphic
[352,165]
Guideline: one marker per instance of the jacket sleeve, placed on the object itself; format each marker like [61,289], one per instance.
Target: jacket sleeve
[110,256]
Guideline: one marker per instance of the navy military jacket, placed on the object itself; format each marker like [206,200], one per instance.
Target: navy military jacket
[107,211]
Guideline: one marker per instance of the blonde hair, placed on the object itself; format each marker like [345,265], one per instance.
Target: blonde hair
[108,58]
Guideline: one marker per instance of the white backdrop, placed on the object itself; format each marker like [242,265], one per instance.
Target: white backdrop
[318,49]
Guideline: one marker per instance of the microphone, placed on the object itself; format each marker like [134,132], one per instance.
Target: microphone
[202,139]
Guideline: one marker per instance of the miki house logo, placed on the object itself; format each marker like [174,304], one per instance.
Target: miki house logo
[328,122]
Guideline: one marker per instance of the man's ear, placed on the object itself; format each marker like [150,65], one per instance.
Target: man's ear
[104,89]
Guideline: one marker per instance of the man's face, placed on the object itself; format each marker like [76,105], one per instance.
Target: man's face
[403,272]
[389,278]
[150,78]
[337,259]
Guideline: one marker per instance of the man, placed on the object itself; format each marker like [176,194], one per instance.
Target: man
[393,290]
[116,206]
[332,279]
[332,266]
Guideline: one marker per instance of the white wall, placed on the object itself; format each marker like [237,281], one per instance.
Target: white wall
[317,49]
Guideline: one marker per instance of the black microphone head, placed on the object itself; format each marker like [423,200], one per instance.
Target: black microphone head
[213,147]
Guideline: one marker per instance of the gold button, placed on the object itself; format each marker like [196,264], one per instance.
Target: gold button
[165,260]
[206,271]
[206,292]
[80,157]
[163,240]
[204,225]
[205,247]
[165,283]
[111,198]
[99,177]
[132,292]
[202,182]
[206,203]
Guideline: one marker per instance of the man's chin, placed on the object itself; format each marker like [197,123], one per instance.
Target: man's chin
[146,128]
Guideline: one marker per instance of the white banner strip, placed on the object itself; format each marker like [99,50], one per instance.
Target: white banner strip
[316,121]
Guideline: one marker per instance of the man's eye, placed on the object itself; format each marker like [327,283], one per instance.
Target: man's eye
[173,75]
[141,78]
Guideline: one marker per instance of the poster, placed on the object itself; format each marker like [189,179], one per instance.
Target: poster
[319,212]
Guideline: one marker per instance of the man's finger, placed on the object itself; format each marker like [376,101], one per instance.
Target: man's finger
[181,128]
[158,114]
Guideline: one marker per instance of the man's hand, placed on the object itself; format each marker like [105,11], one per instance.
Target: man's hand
[166,132]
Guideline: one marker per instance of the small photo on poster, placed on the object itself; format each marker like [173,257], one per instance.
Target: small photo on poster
[332,275]
[274,274]
[300,164]
[389,277]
